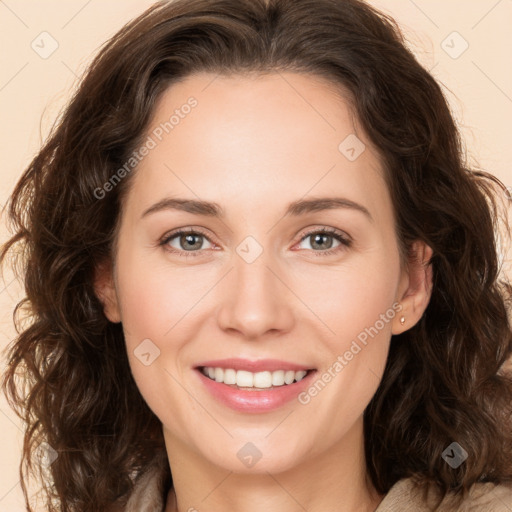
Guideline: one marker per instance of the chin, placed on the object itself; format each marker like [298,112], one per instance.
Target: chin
[255,457]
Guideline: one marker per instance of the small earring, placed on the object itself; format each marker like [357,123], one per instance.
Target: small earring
[402,320]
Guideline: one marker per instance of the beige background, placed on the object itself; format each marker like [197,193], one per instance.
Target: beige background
[478,83]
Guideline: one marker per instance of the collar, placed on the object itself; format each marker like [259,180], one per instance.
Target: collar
[150,494]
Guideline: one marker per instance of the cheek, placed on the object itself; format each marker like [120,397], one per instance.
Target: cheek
[357,306]
[153,305]
[155,298]
[353,297]
[159,305]
[144,308]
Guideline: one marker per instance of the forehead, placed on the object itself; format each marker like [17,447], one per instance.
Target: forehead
[280,135]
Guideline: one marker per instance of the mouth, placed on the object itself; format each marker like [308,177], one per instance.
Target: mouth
[254,381]
[249,386]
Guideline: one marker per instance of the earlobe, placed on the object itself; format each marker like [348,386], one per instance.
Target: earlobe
[415,294]
[105,290]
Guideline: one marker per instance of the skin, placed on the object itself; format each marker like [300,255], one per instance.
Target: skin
[253,144]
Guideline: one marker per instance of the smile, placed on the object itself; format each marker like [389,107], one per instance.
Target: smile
[258,392]
[243,379]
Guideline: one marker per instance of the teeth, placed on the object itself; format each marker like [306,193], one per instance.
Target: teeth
[229,376]
[260,380]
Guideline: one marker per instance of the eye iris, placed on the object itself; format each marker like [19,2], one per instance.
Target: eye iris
[187,241]
[321,236]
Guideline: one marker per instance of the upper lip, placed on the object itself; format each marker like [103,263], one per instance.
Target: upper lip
[254,366]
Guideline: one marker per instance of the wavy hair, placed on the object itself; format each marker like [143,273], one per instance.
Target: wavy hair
[67,373]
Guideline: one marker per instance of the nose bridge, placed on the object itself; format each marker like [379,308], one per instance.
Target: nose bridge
[255,299]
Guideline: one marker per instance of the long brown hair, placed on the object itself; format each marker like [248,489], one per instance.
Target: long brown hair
[442,382]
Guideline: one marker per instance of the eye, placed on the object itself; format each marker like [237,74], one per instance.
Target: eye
[323,239]
[189,242]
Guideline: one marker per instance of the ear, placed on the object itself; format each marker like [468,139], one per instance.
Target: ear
[415,287]
[104,287]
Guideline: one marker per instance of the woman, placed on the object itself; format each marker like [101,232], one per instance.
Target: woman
[261,276]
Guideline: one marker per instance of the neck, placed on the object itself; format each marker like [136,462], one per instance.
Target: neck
[333,480]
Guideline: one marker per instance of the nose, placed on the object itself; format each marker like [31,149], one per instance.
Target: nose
[256,300]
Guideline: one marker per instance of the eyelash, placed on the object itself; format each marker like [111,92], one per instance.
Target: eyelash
[345,242]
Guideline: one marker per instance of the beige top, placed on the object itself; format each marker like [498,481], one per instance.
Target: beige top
[149,496]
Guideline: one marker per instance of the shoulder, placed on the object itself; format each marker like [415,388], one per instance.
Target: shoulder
[482,497]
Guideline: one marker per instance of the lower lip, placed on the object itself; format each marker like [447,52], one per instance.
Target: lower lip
[255,401]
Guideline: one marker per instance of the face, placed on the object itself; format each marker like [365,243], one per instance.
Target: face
[272,275]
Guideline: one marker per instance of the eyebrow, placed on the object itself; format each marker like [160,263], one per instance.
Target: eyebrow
[295,209]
